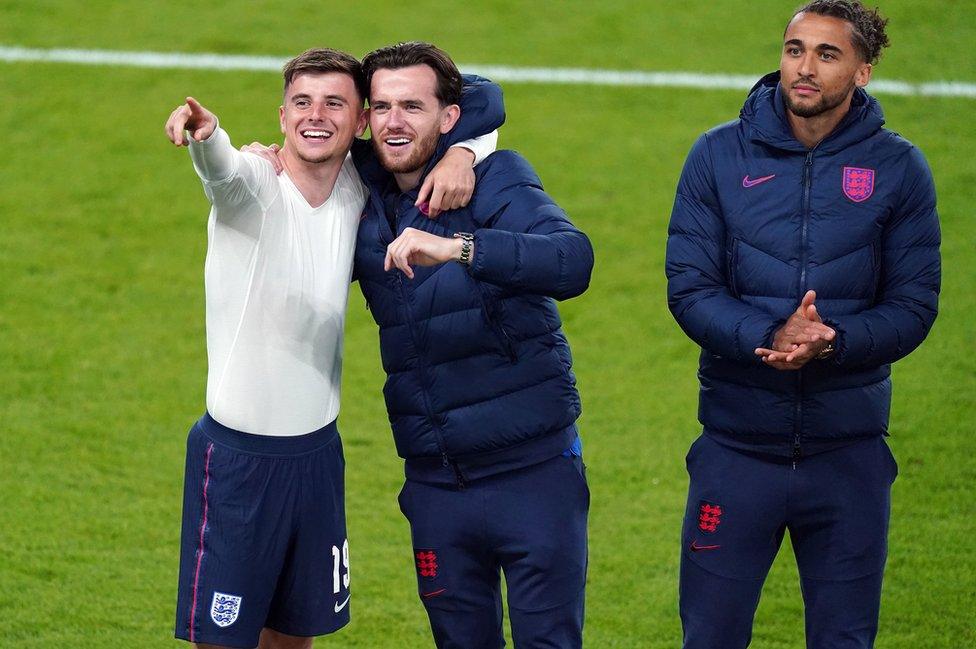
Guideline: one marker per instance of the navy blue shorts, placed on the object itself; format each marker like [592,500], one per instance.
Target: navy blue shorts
[264,536]
[529,523]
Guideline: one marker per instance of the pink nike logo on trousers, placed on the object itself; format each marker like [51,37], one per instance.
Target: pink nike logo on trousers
[752,183]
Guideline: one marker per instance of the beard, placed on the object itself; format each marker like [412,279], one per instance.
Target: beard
[423,151]
[825,103]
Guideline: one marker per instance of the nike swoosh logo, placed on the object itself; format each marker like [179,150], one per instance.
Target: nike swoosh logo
[433,593]
[339,607]
[752,183]
[698,548]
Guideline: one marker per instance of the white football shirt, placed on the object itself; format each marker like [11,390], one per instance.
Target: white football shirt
[277,278]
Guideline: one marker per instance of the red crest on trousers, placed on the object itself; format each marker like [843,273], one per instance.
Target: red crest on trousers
[709,517]
[426,562]
[858,183]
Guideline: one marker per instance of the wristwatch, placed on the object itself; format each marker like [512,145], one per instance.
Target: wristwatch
[467,243]
[826,352]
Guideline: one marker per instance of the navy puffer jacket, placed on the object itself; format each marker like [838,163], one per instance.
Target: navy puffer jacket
[479,372]
[758,220]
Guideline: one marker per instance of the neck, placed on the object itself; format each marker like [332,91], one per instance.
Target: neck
[314,180]
[408,181]
[811,130]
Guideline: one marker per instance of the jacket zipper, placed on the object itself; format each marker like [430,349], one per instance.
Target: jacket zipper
[804,232]
[446,460]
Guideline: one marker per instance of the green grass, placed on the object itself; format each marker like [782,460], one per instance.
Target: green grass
[102,353]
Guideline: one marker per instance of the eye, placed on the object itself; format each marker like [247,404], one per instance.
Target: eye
[793,50]
[334,104]
[302,103]
[827,56]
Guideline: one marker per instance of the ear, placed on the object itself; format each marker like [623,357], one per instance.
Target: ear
[449,117]
[281,118]
[863,75]
[362,122]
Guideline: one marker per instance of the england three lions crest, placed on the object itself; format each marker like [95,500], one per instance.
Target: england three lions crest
[225,608]
[858,183]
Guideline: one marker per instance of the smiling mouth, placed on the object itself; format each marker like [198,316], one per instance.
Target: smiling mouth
[397,141]
[316,135]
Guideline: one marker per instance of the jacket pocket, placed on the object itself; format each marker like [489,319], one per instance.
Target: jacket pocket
[492,312]
[875,269]
[732,261]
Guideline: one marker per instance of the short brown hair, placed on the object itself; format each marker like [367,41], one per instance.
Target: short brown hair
[324,60]
[405,55]
[867,25]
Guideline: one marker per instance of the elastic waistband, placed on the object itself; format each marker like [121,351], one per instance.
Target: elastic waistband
[267,444]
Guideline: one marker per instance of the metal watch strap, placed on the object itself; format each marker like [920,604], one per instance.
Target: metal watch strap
[826,352]
[467,243]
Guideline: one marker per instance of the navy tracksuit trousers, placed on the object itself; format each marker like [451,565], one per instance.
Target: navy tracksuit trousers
[531,523]
[835,505]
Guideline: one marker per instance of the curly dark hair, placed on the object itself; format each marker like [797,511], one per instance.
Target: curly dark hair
[868,33]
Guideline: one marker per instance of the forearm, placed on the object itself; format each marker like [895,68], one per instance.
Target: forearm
[480,147]
[557,264]
[720,323]
[882,334]
[215,159]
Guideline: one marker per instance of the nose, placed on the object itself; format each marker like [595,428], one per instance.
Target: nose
[394,119]
[808,65]
[318,112]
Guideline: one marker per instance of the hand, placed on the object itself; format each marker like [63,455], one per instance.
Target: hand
[449,185]
[191,117]
[421,249]
[269,153]
[801,339]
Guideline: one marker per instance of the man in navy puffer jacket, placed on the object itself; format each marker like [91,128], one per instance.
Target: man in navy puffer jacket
[803,256]
[480,391]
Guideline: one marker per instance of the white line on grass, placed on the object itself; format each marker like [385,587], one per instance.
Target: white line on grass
[500,73]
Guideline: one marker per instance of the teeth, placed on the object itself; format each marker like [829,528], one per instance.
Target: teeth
[316,134]
[398,140]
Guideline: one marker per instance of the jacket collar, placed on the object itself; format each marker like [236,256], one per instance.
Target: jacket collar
[764,114]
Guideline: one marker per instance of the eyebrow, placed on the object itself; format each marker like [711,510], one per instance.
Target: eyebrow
[303,95]
[418,102]
[823,47]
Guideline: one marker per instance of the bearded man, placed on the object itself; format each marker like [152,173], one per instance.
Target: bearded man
[803,257]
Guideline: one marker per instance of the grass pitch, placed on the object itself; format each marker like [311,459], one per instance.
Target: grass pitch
[102,353]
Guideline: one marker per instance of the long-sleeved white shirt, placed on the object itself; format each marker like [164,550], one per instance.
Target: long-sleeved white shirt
[277,279]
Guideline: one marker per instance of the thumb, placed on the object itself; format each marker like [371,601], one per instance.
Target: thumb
[812,314]
[808,299]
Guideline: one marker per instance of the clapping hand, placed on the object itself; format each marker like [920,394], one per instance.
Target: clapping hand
[800,339]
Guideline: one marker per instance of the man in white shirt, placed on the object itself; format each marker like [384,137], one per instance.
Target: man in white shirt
[264,554]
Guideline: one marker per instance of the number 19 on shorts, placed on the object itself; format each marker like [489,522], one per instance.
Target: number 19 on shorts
[340,567]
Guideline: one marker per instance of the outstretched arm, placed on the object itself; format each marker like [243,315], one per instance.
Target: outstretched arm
[229,177]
